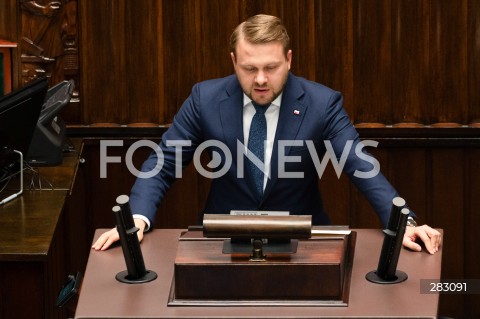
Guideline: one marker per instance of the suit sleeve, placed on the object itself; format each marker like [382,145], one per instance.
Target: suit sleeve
[360,167]
[174,152]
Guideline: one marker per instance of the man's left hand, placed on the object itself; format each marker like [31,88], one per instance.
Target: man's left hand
[431,238]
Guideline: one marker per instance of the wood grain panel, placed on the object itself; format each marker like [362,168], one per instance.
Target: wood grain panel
[182,206]
[446,193]
[144,61]
[23,275]
[406,170]
[8,31]
[299,19]
[103,52]
[334,48]
[362,214]
[473,45]
[336,196]
[215,31]
[372,75]
[409,75]
[181,55]
[472,220]
[8,20]
[448,62]
[250,8]
[395,61]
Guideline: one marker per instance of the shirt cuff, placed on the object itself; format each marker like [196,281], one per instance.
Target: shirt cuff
[145,219]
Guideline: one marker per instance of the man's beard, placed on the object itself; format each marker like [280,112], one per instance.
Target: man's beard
[275,94]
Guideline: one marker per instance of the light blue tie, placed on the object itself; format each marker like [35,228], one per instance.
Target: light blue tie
[256,144]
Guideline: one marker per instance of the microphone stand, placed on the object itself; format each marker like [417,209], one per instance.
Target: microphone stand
[387,272]
[136,272]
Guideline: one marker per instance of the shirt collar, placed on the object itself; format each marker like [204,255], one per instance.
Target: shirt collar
[276,102]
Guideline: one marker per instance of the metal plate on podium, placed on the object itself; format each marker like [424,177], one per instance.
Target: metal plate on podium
[317,274]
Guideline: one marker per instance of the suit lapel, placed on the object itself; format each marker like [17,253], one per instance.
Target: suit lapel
[290,118]
[231,116]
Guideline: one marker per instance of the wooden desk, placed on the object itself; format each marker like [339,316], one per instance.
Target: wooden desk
[32,245]
[102,296]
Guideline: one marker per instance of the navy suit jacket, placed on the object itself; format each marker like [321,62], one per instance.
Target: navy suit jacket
[309,112]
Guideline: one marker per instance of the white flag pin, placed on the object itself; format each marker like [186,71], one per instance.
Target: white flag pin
[296,112]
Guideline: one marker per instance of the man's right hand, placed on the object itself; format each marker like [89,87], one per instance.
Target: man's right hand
[111,236]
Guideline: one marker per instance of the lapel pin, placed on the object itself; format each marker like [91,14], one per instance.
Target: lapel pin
[296,112]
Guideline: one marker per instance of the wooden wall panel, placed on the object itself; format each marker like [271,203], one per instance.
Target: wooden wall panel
[336,195]
[181,34]
[447,211]
[473,62]
[103,53]
[406,169]
[395,61]
[409,75]
[214,37]
[183,206]
[448,67]
[122,62]
[362,214]
[8,20]
[249,8]
[333,49]
[299,19]
[8,31]
[372,75]
[472,221]
[144,61]
[23,275]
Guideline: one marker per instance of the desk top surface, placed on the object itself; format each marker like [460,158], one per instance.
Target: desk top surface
[102,296]
[28,223]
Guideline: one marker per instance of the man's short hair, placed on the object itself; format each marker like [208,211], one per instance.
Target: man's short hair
[261,29]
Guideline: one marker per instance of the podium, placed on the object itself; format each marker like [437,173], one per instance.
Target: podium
[102,296]
[317,273]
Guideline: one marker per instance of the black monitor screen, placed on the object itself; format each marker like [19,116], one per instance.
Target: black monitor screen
[19,113]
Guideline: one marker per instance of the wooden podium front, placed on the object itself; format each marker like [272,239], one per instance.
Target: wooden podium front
[318,273]
[102,296]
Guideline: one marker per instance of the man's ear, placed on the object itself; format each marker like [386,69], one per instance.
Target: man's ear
[234,61]
[289,58]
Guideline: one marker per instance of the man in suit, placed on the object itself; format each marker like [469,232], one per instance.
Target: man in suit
[297,122]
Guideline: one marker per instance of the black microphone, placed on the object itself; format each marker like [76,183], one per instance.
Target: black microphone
[387,272]
[136,271]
